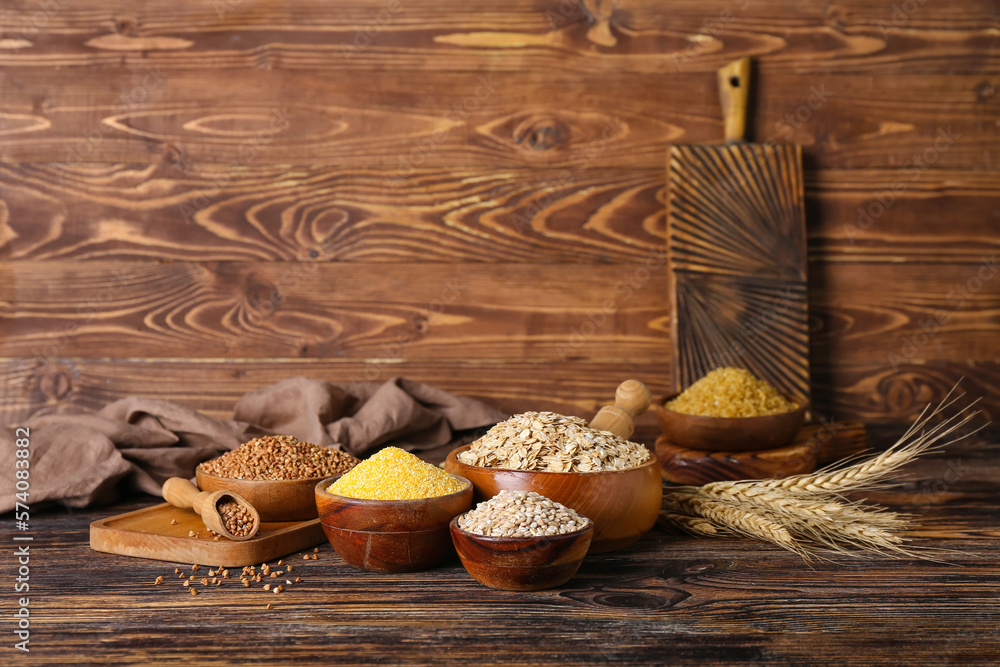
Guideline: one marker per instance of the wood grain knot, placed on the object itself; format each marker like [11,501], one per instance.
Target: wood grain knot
[547,134]
[172,153]
[701,567]
[834,17]
[601,13]
[262,297]
[900,392]
[985,91]
[420,323]
[633,600]
[326,220]
[126,25]
[55,383]
[542,134]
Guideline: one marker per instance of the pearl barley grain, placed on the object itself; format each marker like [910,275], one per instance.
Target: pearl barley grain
[521,514]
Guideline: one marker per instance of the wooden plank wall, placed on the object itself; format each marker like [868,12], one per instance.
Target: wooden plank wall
[197,198]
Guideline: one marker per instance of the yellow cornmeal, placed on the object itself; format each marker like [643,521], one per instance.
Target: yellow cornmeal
[393,474]
[731,392]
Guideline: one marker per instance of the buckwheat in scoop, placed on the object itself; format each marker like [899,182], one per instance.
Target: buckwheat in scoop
[550,442]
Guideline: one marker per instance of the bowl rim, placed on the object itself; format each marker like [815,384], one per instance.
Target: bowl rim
[379,532]
[321,490]
[301,480]
[453,453]
[491,539]
[803,403]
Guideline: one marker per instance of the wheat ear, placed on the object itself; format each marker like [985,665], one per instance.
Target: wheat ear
[741,521]
[806,513]
[872,472]
[695,525]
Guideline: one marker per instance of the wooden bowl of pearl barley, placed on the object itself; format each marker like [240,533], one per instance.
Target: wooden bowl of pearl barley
[519,541]
[623,504]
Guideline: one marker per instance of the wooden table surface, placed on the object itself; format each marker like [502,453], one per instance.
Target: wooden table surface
[671,599]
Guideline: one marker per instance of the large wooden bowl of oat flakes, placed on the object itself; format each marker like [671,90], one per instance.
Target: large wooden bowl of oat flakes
[275,474]
[613,482]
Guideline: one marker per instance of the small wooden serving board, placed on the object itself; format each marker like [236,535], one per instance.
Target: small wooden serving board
[148,533]
[815,445]
[694,467]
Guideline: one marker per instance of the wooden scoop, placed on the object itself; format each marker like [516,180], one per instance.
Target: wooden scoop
[182,493]
[632,398]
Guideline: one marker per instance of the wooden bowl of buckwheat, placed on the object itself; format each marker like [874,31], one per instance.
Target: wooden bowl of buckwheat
[614,482]
[277,475]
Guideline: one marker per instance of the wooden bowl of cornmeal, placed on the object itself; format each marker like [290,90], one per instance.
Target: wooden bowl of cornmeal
[390,535]
[391,512]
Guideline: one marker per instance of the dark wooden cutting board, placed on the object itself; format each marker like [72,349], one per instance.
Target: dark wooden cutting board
[737,252]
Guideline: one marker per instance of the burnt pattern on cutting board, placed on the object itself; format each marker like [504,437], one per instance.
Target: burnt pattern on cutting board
[737,253]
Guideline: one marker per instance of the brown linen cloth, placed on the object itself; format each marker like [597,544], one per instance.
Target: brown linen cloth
[136,443]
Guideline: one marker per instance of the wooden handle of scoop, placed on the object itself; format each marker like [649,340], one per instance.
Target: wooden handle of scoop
[182,493]
[734,93]
[631,399]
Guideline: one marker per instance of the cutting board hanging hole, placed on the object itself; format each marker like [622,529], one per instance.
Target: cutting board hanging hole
[734,89]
